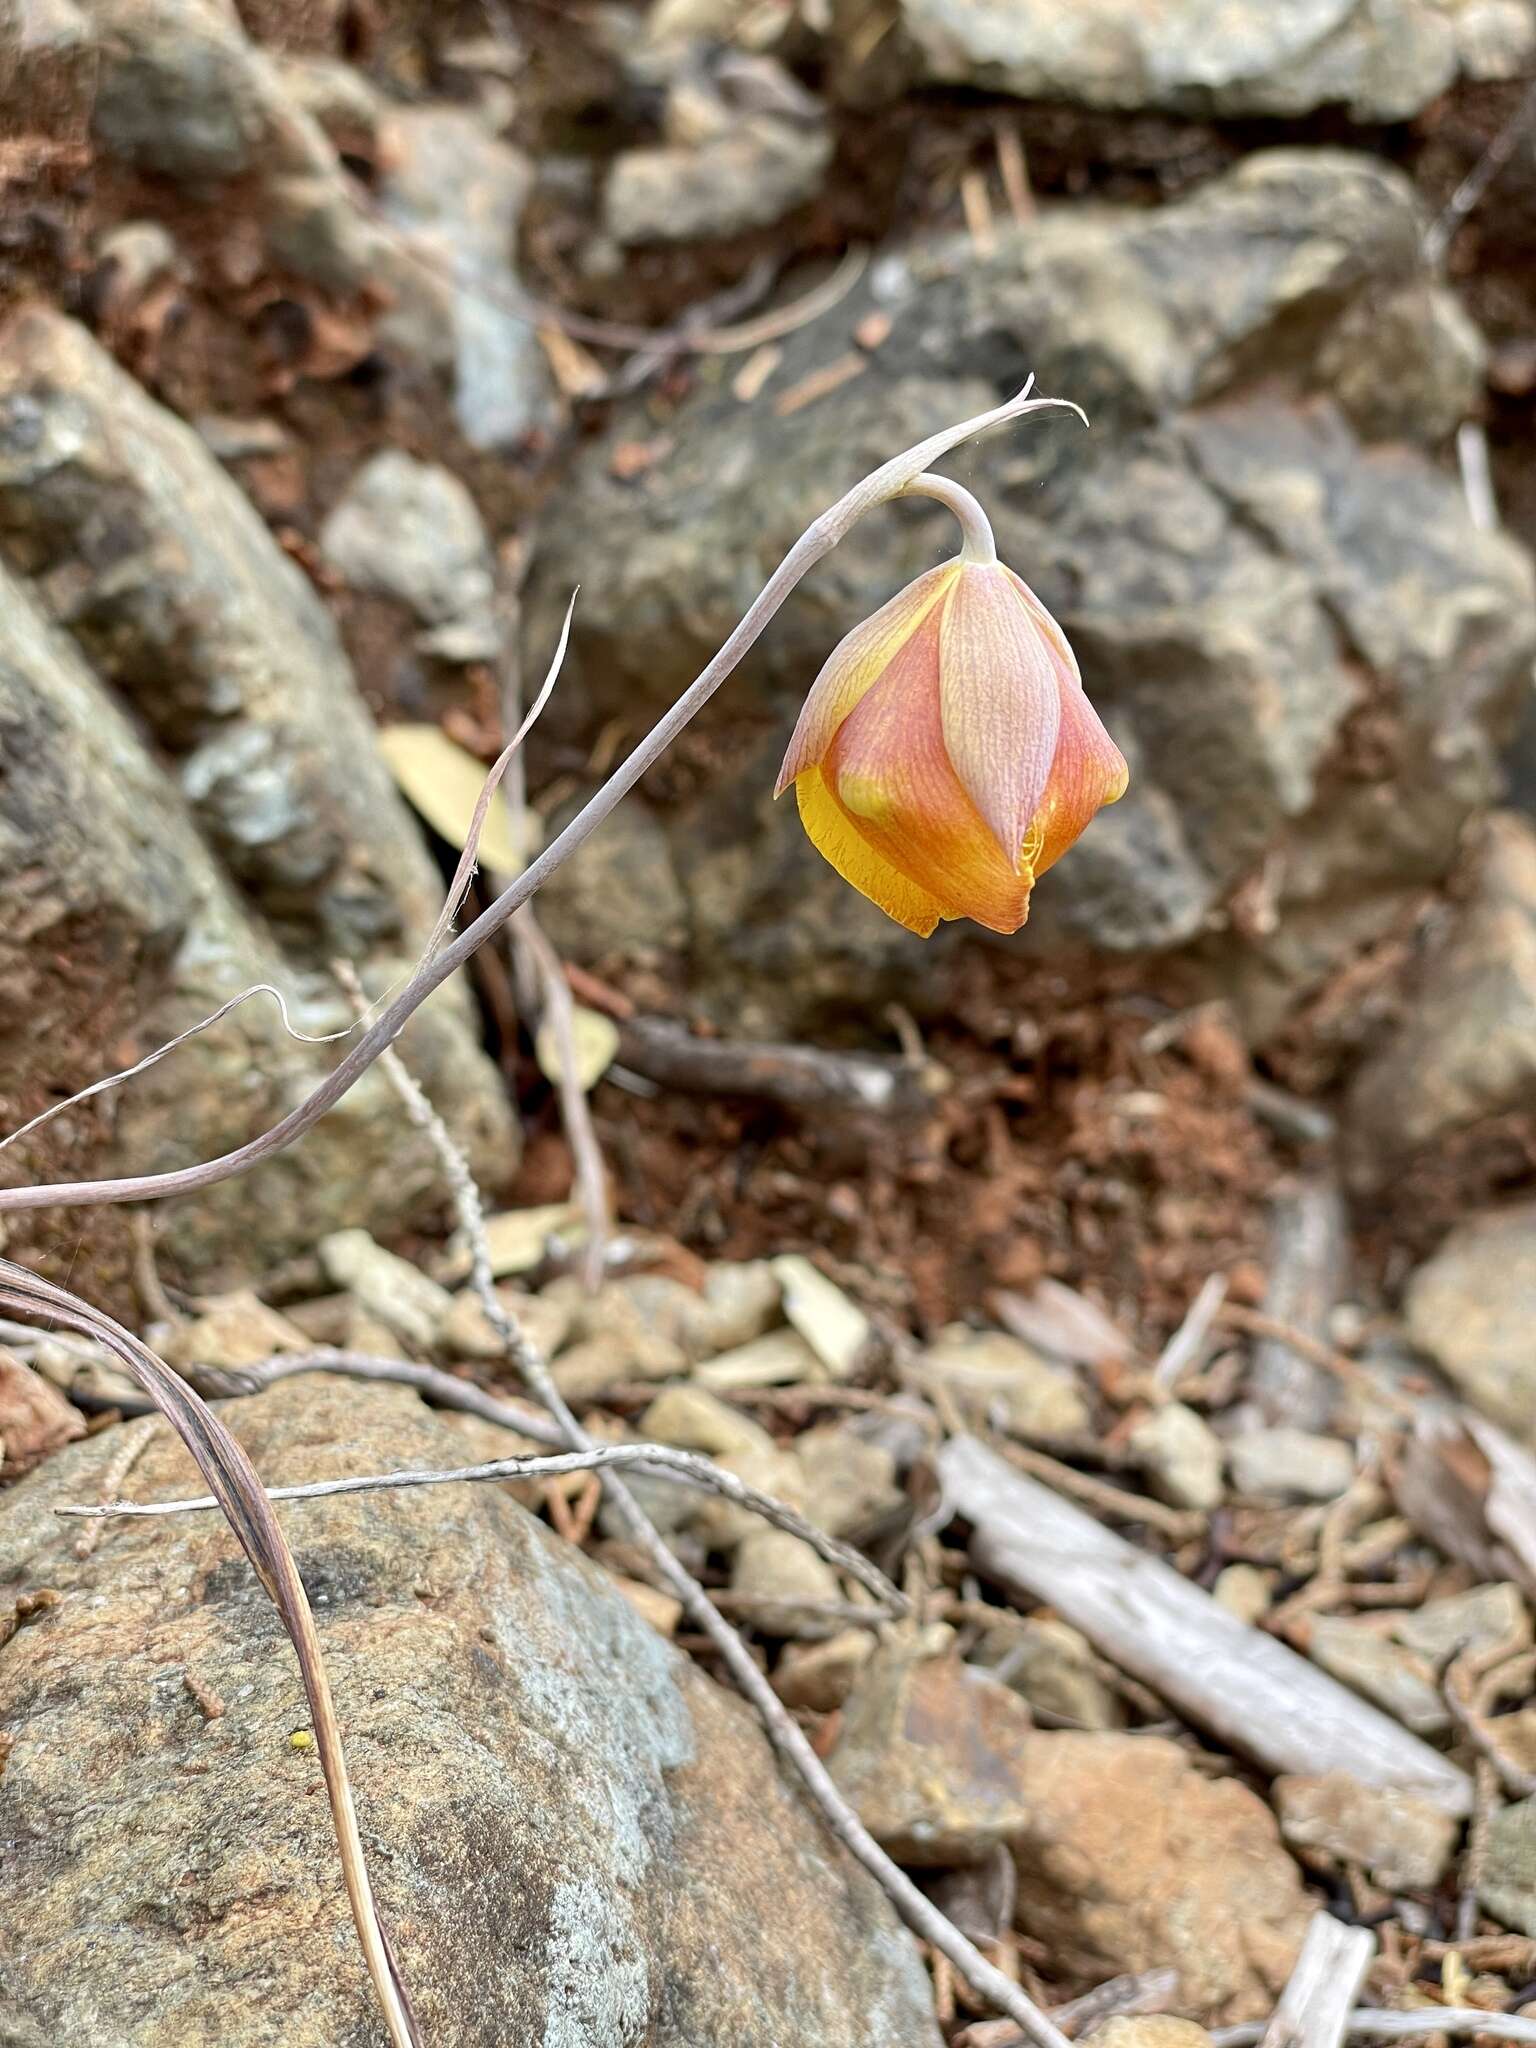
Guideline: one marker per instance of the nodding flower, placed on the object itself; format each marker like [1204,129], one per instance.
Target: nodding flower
[947,754]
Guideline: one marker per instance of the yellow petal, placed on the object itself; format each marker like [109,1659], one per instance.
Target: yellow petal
[857,661]
[1000,700]
[890,774]
[835,839]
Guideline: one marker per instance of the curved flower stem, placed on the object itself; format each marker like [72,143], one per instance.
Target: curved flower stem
[979,549]
[889,481]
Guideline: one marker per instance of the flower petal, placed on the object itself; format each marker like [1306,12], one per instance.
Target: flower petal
[1089,770]
[890,774]
[1000,698]
[854,664]
[836,840]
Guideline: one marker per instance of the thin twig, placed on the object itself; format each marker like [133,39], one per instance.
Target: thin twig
[1183,1349]
[890,480]
[603,1457]
[1366,2022]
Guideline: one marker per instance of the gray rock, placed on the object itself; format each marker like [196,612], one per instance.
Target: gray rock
[1470,1309]
[757,171]
[1465,1047]
[1507,1884]
[1233,565]
[119,931]
[146,550]
[1055,1670]
[1481,1620]
[1382,62]
[1181,1455]
[928,1753]
[1403,1685]
[988,1374]
[389,1289]
[1403,1842]
[459,193]
[567,1822]
[182,91]
[618,897]
[1290,1464]
[167,577]
[411,531]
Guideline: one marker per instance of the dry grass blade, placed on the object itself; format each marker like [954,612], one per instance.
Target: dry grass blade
[238,1491]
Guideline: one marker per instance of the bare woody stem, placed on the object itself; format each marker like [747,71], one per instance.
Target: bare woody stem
[889,481]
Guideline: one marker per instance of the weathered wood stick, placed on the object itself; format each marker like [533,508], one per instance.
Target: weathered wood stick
[1314,2007]
[1253,1692]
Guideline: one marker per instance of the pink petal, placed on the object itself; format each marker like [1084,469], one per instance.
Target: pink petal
[854,664]
[1000,697]
[1089,770]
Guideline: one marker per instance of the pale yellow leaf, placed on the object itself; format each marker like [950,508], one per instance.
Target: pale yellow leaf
[595,1039]
[443,781]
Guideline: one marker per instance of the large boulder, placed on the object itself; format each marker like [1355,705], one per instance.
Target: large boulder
[1302,643]
[259,841]
[1380,60]
[574,1835]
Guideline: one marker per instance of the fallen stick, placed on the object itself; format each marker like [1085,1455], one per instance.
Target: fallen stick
[1315,2005]
[804,1077]
[1253,1692]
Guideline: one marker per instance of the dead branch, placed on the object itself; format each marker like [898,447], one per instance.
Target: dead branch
[1253,1692]
[802,1077]
[1314,2007]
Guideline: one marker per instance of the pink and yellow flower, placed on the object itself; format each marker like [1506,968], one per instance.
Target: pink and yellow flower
[947,755]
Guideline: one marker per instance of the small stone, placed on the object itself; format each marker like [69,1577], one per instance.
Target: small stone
[783,1577]
[518,1240]
[1507,1886]
[837,1329]
[467,1331]
[389,1289]
[1363,1657]
[34,1418]
[1245,1591]
[410,531]
[850,1483]
[1483,1619]
[779,1358]
[744,1299]
[235,1330]
[1402,1842]
[988,1373]
[929,1754]
[586,1370]
[1470,1308]
[820,1676]
[1053,1667]
[1149,2030]
[1181,1456]
[637,1331]
[696,1421]
[1290,1464]
[1130,1859]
